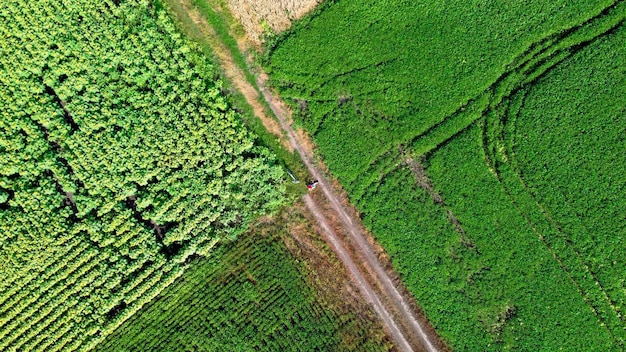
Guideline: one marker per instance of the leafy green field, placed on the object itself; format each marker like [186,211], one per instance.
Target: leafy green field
[251,295]
[389,72]
[572,160]
[483,144]
[120,159]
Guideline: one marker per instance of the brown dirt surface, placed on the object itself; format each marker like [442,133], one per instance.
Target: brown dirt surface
[329,278]
[261,16]
[357,324]
[382,256]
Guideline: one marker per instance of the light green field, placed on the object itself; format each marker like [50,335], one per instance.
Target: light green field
[120,159]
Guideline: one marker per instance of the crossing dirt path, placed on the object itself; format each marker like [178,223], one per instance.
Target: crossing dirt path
[344,233]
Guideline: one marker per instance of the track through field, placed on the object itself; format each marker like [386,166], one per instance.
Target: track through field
[376,285]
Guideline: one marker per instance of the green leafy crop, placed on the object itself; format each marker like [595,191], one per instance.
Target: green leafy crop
[120,158]
[483,143]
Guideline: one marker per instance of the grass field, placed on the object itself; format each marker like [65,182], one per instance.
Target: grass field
[481,142]
[581,191]
[251,295]
[362,87]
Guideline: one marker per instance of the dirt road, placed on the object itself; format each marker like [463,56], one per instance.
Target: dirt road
[368,273]
[412,326]
[368,292]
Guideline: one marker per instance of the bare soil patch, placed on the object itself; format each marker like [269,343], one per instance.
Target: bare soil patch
[262,16]
[329,278]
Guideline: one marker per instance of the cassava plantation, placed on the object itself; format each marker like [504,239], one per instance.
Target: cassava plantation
[121,160]
[483,143]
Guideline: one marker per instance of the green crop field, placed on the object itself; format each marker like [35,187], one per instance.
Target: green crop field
[249,296]
[483,143]
[120,160]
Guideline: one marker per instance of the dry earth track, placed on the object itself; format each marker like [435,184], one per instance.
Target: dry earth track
[369,275]
[411,327]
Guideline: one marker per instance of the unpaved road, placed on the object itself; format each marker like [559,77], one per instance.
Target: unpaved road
[392,307]
[332,239]
[366,252]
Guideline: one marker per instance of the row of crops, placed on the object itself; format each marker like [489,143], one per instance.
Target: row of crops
[250,295]
[510,230]
[120,159]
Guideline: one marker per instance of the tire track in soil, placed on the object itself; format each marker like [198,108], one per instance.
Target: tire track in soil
[331,238]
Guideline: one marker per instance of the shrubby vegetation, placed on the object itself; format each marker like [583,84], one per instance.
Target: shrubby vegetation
[502,246]
[120,158]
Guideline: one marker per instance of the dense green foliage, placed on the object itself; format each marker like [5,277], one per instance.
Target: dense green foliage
[249,296]
[569,147]
[119,159]
[226,30]
[391,70]
[490,248]
[514,264]
[466,280]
